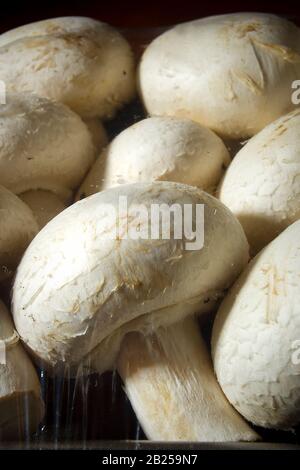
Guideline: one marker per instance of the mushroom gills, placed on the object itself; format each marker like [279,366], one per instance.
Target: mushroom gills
[168,377]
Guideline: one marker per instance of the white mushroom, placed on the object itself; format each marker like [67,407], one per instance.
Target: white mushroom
[232,73]
[262,184]
[256,336]
[78,61]
[43,146]
[157,148]
[95,273]
[21,406]
[17,228]
[44,205]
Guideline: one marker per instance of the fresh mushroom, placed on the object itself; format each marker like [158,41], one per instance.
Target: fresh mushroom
[21,406]
[78,61]
[262,184]
[45,205]
[232,73]
[88,279]
[160,148]
[183,151]
[44,146]
[256,336]
[17,228]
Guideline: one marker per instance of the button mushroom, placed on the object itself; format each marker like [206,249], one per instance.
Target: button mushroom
[95,274]
[180,150]
[262,185]
[232,73]
[43,146]
[21,406]
[160,148]
[78,61]
[17,228]
[45,205]
[256,335]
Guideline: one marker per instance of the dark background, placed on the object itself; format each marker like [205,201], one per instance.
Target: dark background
[137,14]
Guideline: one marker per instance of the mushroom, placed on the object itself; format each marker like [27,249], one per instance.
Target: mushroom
[232,73]
[165,148]
[17,228]
[44,205]
[78,61]
[159,148]
[262,184]
[256,335]
[21,406]
[98,272]
[171,385]
[44,147]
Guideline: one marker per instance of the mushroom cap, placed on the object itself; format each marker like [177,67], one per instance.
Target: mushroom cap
[160,148]
[262,184]
[254,336]
[43,145]
[81,285]
[43,204]
[231,73]
[17,228]
[21,406]
[78,61]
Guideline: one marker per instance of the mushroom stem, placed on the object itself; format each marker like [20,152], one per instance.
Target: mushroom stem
[169,379]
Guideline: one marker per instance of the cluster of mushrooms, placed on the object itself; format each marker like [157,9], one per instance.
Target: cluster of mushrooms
[79,298]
